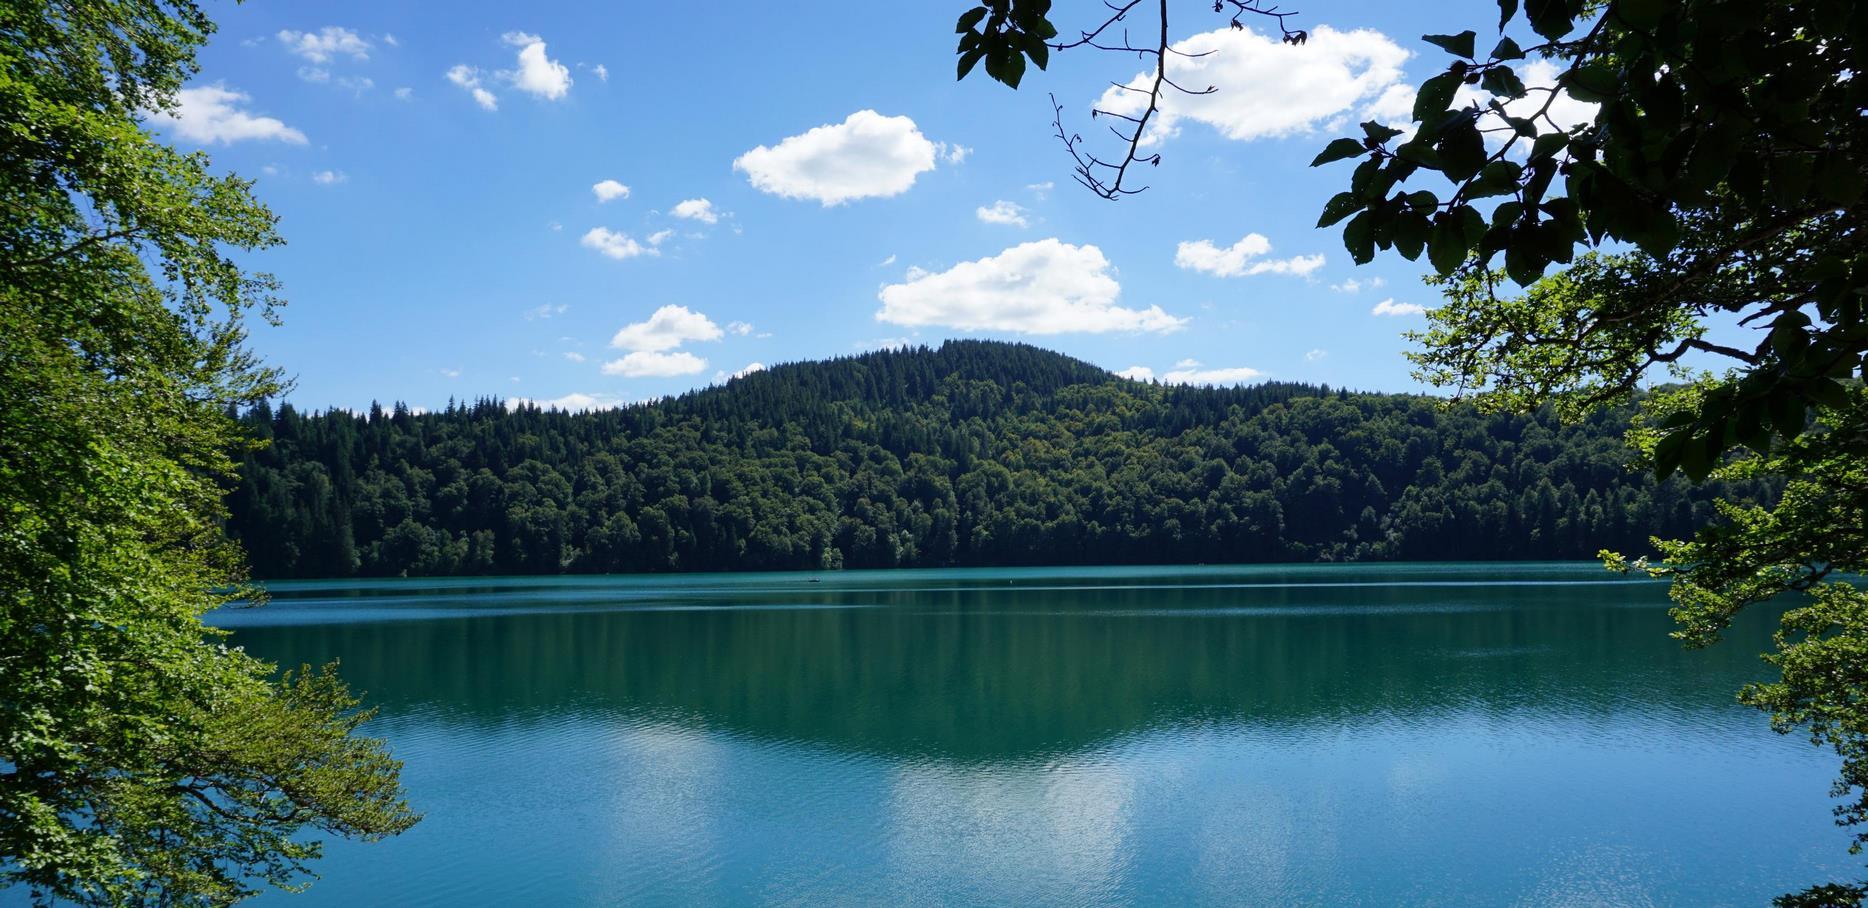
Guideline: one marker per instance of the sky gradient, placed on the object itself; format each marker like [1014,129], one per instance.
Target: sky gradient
[596,204]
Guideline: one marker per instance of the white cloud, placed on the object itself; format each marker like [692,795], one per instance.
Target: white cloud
[546,310]
[329,41]
[329,177]
[405,93]
[390,40]
[887,261]
[1003,212]
[1353,285]
[211,113]
[1233,376]
[696,210]
[884,343]
[1394,106]
[1042,287]
[1138,373]
[537,74]
[1188,363]
[669,327]
[451,373]
[603,72]
[868,155]
[1391,308]
[575,401]
[468,78]
[610,189]
[659,237]
[615,244]
[749,369]
[1241,258]
[1315,355]
[740,328]
[952,154]
[1268,89]
[1041,190]
[574,356]
[647,364]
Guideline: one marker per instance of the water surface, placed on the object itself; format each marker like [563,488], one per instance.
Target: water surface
[1317,735]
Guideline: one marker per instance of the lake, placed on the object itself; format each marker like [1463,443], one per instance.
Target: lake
[1520,734]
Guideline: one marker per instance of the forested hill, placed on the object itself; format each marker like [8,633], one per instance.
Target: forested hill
[976,453]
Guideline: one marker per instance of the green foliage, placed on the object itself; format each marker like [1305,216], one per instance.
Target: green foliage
[1005,33]
[973,454]
[1728,149]
[139,760]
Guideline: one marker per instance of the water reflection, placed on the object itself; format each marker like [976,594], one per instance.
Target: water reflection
[1255,736]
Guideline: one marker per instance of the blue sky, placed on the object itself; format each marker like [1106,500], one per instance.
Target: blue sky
[435,175]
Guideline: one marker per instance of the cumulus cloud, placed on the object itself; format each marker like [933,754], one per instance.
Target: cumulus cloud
[669,327]
[1268,89]
[468,78]
[1315,355]
[696,210]
[1353,285]
[647,364]
[749,369]
[536,73]
[868,155]
[573,356]
[324,44]
[329,177]
[659,237]
[213,113]
[1002,212]
[740,328]
[574,401]
[1195,376]
[615,244]
[1241,258]
[405,93]
[610,189]
[1389,307]
[1042,287]
[1138,373]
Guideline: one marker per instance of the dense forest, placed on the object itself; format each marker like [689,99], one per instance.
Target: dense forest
[976,453]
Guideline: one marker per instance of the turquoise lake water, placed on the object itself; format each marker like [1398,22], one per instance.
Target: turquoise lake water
[1314,735]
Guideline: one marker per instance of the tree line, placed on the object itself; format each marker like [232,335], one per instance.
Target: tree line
[975,453]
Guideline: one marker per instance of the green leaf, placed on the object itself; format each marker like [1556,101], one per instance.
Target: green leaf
[1378,132]
[1669,451]
[1506,9]
[1013,70]
[1359,237]
[1446,246]
[1338,150]
[967,61]
[1507,49]
[1501,81]
[1462,151]
[1595,82]
[1459,45]
[1641,13]
[1340,205]
[1436,95]
[1410,235]
[969,19]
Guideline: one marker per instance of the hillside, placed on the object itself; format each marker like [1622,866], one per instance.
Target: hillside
[975,453]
